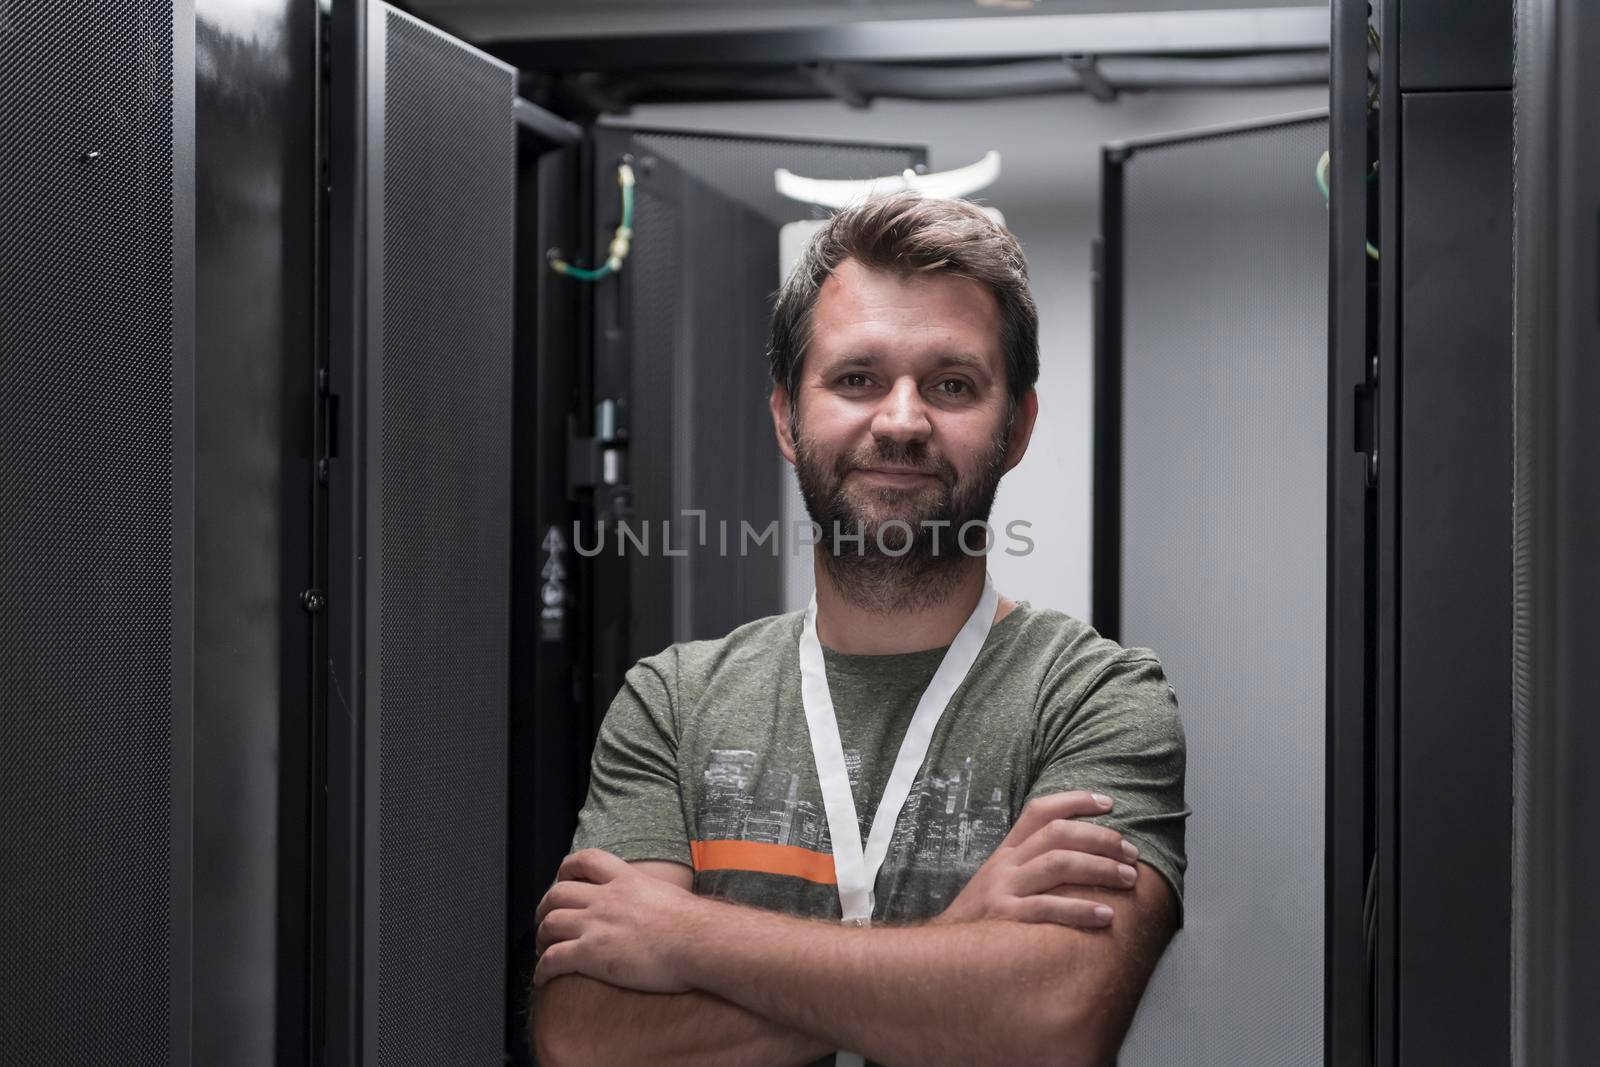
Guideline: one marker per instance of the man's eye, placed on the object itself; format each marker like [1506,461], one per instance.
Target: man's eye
[853,380]
[953,386]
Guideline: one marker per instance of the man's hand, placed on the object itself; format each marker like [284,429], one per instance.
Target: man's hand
[606,919]
[1045,851]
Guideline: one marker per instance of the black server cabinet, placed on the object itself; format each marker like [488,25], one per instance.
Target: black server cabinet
[1452,731]
[420,363]
[1443,624]
[1351,544]
[549,727]
[1556,539]
[679,350]
[1448,45]
[97,559]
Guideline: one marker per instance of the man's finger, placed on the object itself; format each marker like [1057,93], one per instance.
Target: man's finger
[1076,835]
[1064,867]
[563,924]
[590,865]
[1063,911]
[1040,811]
[570,894]
[558,959]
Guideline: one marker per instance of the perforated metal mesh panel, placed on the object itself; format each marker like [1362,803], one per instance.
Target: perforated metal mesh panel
[92,906]
[742,167]
[1224,490]
[448,196]
[658,414]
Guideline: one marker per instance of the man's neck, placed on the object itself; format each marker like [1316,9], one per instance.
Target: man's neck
[851,628]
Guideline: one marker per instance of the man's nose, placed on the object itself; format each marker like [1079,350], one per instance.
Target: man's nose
[903,415]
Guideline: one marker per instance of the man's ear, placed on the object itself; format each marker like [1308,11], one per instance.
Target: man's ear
[778,402]
[1022,428]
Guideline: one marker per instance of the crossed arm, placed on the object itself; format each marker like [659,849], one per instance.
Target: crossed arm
[579,1019]
[663,975]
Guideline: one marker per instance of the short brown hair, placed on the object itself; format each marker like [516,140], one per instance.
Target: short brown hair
[908,233]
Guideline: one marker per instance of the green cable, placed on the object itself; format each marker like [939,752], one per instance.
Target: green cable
[620,241]
[1322,183]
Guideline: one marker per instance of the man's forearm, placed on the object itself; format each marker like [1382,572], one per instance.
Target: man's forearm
[581,1020]
[982,992]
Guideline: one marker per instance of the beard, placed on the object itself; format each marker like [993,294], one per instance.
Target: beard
[874,561]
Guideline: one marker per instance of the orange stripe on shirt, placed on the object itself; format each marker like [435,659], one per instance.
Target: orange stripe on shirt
[759,856]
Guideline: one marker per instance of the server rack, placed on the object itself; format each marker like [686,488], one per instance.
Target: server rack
[1419,543]
[1556,538]
[1353,317]
[1418,552]
[1442,644]
[420,363]
[550,660]
[97,454]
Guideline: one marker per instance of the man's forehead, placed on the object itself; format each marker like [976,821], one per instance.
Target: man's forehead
[858,303]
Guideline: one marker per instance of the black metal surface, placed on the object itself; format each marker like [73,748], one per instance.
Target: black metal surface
[1126,148]
[1455,44]
[422,498]
[1556,977]
[353,71]
[1383,631]
[549,710]
[1443,604]
[1106,520]
[1454,651]
[1347,1035]
[444,552]
[1536,763]
[544,125]
[700,438]
[254,482]
[96,531]
[1568,955]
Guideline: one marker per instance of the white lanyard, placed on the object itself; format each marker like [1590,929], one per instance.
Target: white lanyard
[856,870]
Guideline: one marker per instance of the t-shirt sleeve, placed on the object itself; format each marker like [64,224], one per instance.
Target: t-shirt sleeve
[634,809]
[1120,734]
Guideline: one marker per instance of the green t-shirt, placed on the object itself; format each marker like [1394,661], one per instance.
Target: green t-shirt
[704,758]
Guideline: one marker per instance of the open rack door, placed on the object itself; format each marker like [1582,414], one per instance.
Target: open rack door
[680,377]
[1211,522]
[420,375]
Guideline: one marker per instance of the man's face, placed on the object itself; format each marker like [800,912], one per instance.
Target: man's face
[902,407]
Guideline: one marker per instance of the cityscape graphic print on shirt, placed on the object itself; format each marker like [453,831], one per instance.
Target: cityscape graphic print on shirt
[947,825]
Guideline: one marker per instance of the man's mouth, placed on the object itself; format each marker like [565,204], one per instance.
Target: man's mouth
[894,475]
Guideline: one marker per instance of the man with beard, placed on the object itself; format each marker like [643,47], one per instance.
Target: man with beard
[989,795]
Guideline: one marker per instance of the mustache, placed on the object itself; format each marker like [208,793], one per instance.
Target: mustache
[912,458]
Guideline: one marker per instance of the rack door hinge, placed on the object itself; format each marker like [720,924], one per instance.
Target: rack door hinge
[1366,428]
